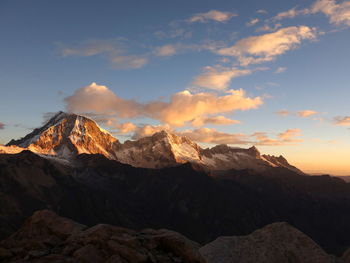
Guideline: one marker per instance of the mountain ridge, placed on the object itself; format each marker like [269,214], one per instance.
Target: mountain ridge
[66,135]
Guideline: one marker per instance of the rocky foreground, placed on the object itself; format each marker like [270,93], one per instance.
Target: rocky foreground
[47,237]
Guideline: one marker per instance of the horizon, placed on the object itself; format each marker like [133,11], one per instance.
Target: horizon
[272,74]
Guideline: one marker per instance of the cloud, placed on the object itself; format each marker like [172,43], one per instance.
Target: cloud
[283,113]
[213,15]
[306,113]
[261,11]
[269,27]
[128,62]
[267,47]
[149,130]
[337,13]
[182,108]
[342,120]
[113,50]
[217,120]
[166,50]
[280,70]
[218,78]
[92,47]
[173,33]
[284,138]
[2,126]
[207,135]
[291,13]
[253,22]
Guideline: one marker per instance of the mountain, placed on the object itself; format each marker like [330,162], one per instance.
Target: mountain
[67,135]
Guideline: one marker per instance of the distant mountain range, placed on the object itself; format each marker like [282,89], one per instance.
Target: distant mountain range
[66,135]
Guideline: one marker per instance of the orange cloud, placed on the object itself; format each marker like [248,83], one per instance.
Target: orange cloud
[207,135]
[263,48]
[149,130]
[306,113]
[342,121]
[283,113]
[337,13]
[218,79]
[166,50]
[182,108]
[284,138]
[218,120]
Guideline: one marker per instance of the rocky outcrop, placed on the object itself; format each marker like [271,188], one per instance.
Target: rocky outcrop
[47,237]
[275,243]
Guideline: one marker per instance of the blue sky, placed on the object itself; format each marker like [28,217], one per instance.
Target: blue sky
[270,73]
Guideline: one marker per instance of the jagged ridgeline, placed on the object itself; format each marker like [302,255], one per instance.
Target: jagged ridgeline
[67,135]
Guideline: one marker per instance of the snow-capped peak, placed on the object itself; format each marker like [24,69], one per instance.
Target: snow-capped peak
[66,135]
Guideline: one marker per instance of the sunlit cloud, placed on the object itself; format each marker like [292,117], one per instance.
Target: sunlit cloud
[268,28]
[207,135]
[217,120]
[253,22]
[306,113]
[283,113]
[218,78]
[128,62]
[342,120]
[291,13]
[2,126]
[149,130]
[166,50]
[267,47]
[289,137]
[337,13]
[280,70]
[213,15]
[182,108]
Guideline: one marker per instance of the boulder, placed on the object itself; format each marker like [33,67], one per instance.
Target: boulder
[275,243]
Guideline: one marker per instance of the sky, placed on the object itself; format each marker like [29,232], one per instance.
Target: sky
[274,74]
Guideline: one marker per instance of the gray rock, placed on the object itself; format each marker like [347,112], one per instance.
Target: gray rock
[275,243]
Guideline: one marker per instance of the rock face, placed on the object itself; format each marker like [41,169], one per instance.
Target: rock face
[46,237]
[66,135]
[275,243]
